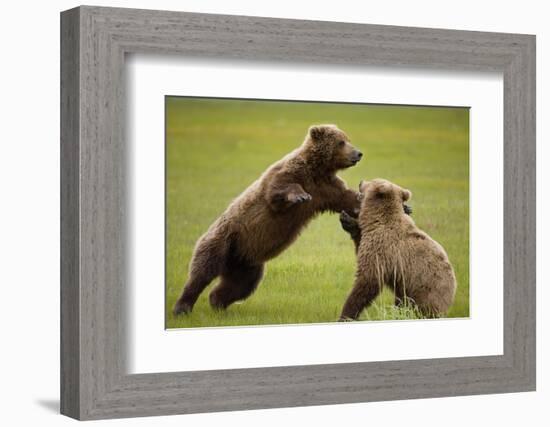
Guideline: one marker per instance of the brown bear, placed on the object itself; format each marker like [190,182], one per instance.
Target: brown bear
[269,215]
[393,251]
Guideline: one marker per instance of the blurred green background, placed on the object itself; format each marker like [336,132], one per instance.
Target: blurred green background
[215,148]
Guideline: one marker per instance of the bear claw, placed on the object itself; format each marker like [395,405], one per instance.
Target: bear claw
[301,198]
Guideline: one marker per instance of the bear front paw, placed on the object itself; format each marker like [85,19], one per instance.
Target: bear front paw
[299,198]
[348,222]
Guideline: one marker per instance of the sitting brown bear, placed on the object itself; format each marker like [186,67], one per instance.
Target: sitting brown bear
[269,215]
[391,250]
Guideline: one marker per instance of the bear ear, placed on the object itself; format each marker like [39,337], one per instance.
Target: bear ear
[406,194]
[362,186]
[316,132]
[383,187]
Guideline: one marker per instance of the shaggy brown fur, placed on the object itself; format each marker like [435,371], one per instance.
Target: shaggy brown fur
[269,215]
[391,250]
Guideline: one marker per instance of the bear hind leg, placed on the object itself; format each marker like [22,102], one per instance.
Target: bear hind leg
[206,265]
[236,285]
[361,296]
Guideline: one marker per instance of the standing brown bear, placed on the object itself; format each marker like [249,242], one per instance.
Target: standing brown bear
[269,215]
[391,250]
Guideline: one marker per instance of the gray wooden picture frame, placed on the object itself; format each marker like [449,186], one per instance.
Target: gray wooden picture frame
[94,381]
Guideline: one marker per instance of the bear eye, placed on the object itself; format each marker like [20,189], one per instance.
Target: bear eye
[342,143]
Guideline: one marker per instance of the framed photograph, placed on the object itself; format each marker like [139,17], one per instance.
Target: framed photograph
[425,148]
[261,213]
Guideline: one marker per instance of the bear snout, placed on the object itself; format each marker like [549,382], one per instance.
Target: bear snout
[356,156]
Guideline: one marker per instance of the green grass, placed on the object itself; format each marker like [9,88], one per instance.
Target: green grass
[216,148]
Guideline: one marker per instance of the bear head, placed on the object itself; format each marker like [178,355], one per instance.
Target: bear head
[382,196]
[329,148]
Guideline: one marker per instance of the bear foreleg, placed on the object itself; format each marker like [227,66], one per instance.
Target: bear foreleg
[351,226]
[283,196]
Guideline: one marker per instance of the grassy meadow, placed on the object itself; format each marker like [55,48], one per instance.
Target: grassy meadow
[216,148]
